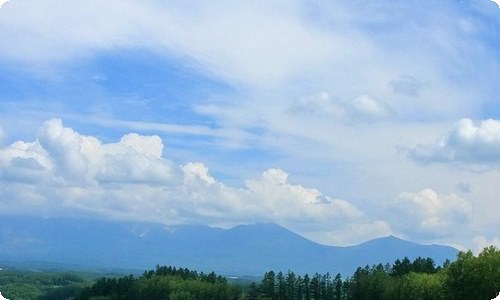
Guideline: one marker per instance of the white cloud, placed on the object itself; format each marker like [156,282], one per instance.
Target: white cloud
[2,2]
[1,297]
[370,108]
[348,49]
[64,172]
[225,38]
[429,214]
[151,146]
[271,198]
[359,109]
[24,161]
[482,242]
[497,2]
[68,156]
[467,143]
[63,146]
[267,44]
[289,202]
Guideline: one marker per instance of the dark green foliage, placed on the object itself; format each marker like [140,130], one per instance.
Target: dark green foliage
[26,291]
[280,293]
[163,283]
[419,265]
[469,277]
[62,293]
[291,286]
[39,285]
[253,292]
[268,284]
[306,287]
[481,272]
[337,286]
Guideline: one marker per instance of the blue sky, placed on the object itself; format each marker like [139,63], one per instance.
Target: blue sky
[341,120]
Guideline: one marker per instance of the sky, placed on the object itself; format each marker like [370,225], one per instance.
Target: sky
[341,120]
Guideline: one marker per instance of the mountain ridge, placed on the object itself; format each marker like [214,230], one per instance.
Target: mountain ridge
[250,249]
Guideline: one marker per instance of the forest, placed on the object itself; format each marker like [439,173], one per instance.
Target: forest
[467,277]
[30,285]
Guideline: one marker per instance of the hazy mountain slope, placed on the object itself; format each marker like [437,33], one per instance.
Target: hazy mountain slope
[242,250]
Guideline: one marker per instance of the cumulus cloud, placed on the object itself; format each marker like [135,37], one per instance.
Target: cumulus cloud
[467,143]
[63,165]
[197,171]
[63,147]
[272,198]
[297,203]
[68,156]
[65,172]
[430,214]
[24,161]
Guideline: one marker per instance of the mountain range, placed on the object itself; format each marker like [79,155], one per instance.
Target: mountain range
[242,250]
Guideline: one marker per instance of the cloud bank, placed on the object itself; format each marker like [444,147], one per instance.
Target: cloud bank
[64,172]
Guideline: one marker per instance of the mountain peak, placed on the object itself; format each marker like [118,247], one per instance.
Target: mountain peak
[388,239]
[260,225]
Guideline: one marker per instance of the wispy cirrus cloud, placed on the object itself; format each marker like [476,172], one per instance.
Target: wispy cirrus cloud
[352,111]
[332,47]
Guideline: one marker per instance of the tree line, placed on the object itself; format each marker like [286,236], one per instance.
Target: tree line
[163,283]
[16,284]
[469,277]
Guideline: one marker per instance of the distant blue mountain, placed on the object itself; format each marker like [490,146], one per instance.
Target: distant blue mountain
[242,250]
